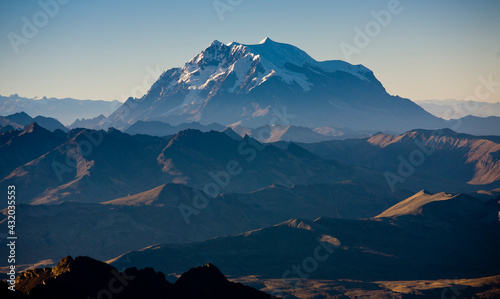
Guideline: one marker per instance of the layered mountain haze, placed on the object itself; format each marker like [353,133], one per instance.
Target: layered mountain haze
[49,232]
[297,177]
[66,110]
[275,133]
[88,166]
[95,123]
[158,128]
[254,165]
[272,83]
[478,125]
[424,225]
[418,159]
[20,120]
[406,245]
[454,109]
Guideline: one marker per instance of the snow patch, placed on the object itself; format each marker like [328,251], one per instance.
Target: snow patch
[260,111]
[252,65]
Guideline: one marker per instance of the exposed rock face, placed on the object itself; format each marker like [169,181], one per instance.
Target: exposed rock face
[84,277]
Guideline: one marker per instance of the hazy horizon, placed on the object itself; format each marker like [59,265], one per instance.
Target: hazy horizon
[260,149]
[101,51]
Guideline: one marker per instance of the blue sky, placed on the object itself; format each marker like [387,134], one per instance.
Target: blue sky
[102,50]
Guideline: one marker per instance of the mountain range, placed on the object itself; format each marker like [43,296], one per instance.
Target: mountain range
[158,128]
[20,120]
[163,215]
[421,237]
[264,134]
[283,181]
[433,160]
[87,165]
[419,225]
[454,109]
[297,178]
[65,110]
[79,170]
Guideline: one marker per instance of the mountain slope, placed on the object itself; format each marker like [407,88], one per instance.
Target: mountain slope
[413,205]
[154,216]
[441,159]
[90,166]
[84,277]
[400,248]
[20,147]
[266,84]
[444,207]
[246,165]
[296,134]
[120,164]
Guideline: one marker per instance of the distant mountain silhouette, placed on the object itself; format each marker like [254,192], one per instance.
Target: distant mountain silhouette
[95,123]
[277,133]
[20,120]
[65,110]
[456,109]
[478,125]
[264,134]
[158,128]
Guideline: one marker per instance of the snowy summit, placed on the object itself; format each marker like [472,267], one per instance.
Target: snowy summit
[229,83]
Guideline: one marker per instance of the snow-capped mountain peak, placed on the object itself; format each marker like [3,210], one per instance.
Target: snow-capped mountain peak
[233,82]
[266,40]
[252,65]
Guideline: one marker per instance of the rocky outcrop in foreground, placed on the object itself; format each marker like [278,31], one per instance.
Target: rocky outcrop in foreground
[84,277]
